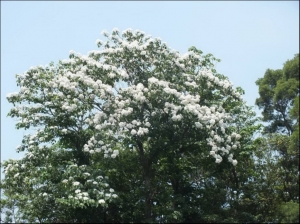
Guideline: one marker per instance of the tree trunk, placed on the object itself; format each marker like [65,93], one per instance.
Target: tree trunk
[146,166]
[148,199]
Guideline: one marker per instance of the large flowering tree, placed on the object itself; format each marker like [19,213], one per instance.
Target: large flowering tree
[134,100]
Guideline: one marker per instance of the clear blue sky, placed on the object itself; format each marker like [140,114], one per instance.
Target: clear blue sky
[248,37]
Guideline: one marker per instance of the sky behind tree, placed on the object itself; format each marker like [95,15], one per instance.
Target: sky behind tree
[248,37]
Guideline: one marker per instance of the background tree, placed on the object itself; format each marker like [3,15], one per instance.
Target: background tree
[278,151]
[278,90]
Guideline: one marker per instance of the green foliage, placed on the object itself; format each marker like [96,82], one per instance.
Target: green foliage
[277,90]
[277,154]
[288,212]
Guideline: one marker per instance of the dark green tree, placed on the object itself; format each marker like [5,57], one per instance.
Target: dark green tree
[278,90]
[277,152]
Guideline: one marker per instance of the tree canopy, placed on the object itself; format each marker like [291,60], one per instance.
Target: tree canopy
[137,132]
[279,99]
[279,91]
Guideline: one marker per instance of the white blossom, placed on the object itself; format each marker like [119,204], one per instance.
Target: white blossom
[101,201]
[76,183]
[234,162]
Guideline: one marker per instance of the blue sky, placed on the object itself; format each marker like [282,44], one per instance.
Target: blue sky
[248,37]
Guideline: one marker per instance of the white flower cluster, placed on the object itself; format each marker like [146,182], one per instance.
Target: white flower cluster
[117,107]
[91,191]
